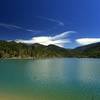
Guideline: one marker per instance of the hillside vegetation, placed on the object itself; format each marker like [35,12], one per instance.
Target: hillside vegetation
[35,51]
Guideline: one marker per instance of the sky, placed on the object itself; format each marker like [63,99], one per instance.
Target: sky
[65,23]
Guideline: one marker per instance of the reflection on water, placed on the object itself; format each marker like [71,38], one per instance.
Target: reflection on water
[46,70]
[90,71]
[77,73]
[64,76]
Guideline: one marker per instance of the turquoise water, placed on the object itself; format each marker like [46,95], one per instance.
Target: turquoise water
[52,79]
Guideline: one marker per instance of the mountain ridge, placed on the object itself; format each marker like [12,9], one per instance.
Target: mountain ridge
[12,49]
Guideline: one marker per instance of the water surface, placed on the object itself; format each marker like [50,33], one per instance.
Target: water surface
[51,79]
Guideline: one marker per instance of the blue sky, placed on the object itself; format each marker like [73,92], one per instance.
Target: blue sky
[30,21]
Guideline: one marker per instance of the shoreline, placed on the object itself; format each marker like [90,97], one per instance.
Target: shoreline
[32,58]
[17,58]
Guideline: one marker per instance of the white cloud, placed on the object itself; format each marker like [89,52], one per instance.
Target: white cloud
[9,26]
[15,27]
[52,20]
[86,41]
[59,40]
[63,35]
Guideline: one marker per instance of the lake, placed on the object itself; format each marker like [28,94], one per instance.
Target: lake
[50,79]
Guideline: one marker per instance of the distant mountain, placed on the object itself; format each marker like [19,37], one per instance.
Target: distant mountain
[91,50]
[20,50]
[93,46]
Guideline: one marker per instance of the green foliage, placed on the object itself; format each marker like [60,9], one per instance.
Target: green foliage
[89,51]
[20,50]
[35,51]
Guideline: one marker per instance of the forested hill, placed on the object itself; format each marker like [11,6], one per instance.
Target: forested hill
[20,50]
[35,51]
[90,51]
